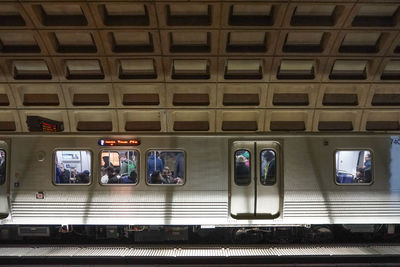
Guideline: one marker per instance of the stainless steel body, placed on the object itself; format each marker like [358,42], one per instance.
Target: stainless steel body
[306,193]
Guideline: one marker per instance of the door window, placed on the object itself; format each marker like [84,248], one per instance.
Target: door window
[166,167]
[72,167]
[268,167]
[353,167]
[242,174]
[119,167]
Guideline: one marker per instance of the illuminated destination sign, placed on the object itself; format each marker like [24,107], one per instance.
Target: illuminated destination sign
[41,124]
[119,142]
[48,127]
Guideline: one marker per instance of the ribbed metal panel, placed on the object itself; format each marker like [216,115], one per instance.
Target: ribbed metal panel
[201,252]
[62,251]
[127,210]
[14,252]
[101,252]
[341,208]
[44,251]
[150,252]
[120,195]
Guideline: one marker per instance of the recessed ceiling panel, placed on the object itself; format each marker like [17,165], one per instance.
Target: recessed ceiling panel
[201,66]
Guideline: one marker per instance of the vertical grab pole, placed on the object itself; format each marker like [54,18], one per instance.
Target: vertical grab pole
[155,158]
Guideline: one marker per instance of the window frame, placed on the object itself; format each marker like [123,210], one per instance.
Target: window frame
[354,149]
[165,150]
[234,167]
[137,166]
[276,166]
[71,149]
[6,166]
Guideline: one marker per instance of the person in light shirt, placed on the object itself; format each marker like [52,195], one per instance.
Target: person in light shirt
[109,171]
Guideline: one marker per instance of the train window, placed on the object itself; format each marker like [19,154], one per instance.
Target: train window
[268,167]
[2,166]
[353,166]
[242,174]
[72,166]
[166,167]
[119,167]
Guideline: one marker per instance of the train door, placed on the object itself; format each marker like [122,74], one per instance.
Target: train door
[242,198]
[267,180]
[254,180]
[4,209]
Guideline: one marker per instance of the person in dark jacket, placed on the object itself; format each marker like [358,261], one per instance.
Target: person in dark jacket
[83,178]
[367,169]
[154,163]
[268,167]
[114,178]
[58,175]
[156,178]
[65,175]
[179,169]
[107,162]
[131,179]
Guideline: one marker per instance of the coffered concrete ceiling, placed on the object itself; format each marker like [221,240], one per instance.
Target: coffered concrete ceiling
[201,66]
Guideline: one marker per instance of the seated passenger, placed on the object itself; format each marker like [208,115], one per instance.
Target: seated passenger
[83,177]
[156,178]
[117,171]
[131,179]
[160,178]
[166,174]
[65,175]
[114,178]
[359,175]
[177,180]
[108,173]
[74,175]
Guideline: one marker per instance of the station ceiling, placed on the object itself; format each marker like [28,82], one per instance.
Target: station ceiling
[201,66]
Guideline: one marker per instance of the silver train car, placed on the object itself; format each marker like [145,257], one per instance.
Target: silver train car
[315,181]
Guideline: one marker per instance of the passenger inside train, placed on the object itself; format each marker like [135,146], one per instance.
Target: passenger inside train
[165,167]
[268,167]
[119,167]
[72,167]
[243,167]
[353,166]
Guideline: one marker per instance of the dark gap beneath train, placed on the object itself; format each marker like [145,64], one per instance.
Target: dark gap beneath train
[123,234]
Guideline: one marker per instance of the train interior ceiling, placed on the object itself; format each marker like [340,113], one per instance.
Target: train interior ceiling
[133,71]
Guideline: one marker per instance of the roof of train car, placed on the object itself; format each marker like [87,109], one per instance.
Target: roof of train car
[201,66]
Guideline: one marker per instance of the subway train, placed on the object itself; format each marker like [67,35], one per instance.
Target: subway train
[206,181]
